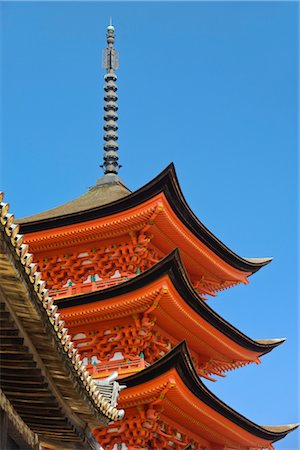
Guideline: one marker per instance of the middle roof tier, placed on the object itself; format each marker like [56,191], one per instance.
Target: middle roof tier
[149,315]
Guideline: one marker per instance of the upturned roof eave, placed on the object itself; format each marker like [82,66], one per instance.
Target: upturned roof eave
[166,182]
[173,267]
[179,358]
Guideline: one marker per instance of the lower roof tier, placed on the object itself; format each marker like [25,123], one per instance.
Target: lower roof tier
[150,314]
[169,407]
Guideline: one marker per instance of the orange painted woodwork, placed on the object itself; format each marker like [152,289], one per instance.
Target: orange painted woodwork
[168,407]
[129,299]
[56,249]
[81,263]
[134,237]
[150,314]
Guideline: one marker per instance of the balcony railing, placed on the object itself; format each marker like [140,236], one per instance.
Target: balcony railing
[122,366]
[82,288]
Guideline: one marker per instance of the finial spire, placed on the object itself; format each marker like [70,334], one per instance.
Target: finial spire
[110,62]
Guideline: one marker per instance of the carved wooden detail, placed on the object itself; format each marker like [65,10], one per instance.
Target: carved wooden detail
[110,263]
[204,286]
[104,262]
[138,339]
[144,428]
[132,340]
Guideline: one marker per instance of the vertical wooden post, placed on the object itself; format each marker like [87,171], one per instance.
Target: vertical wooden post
[3,428]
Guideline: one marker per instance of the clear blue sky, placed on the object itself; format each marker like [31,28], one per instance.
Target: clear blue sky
[211,86]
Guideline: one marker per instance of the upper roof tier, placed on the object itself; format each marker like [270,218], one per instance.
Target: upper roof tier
[97,196]
[113,198]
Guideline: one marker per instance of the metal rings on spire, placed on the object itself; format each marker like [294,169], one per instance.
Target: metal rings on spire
[110,62]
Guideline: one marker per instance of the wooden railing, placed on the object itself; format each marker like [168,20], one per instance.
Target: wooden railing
[82,288]
[123,367]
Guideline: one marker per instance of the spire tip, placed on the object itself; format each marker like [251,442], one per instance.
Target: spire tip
[110,26]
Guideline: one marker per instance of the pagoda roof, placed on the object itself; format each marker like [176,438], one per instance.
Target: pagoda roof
[189,393]
[182,304]
[42,373]
[114,198]
[97,196]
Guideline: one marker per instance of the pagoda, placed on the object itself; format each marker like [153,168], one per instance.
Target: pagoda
[131,273]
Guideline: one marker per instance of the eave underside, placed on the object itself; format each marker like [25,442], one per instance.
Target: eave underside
[14,429]
[36,376]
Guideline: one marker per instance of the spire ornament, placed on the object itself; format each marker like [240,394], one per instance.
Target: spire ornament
[110,62]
